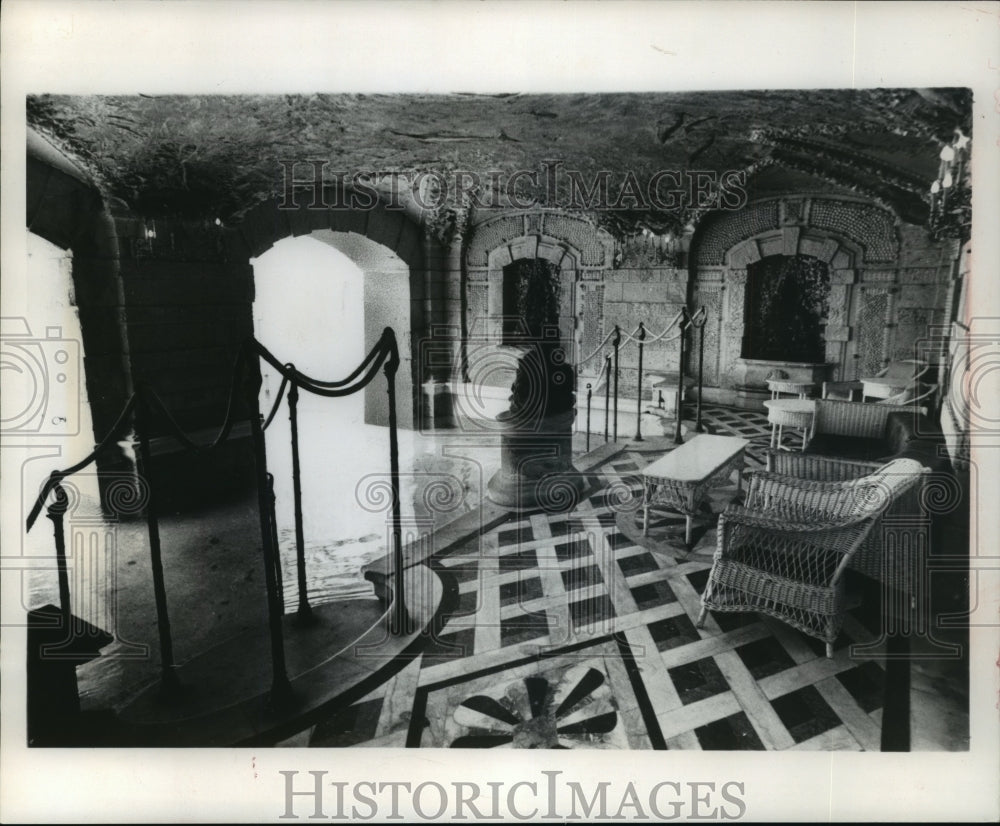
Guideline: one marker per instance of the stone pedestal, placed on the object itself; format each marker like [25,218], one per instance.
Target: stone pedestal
[536,467]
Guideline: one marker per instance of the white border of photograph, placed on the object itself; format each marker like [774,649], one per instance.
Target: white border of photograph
[230,47]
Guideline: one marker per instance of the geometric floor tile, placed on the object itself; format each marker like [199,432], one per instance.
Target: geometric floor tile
[765,657]
[673,632]
[637,564]
[582,577]
[805,713]
[653,594]
[590,611]
[865,684]
[523,627]
[608,656]
[520,591]
[697,680]
[561,702]
[448,647]
[348,727]
[733,733]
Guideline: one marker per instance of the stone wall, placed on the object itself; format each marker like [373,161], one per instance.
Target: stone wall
[653,296]
[69,212]
[889,282]
[964,411]
[173,309]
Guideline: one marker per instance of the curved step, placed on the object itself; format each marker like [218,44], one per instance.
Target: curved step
[225,695]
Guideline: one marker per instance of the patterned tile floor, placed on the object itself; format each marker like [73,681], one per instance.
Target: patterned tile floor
[572,630]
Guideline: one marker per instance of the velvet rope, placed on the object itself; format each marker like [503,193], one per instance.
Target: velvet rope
[384,353]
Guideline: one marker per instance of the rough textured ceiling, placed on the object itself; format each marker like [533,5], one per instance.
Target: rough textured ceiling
[216,156]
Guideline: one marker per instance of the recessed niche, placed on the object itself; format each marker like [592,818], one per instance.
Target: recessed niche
[786,309]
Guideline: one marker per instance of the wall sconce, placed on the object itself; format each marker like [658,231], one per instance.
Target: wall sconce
[147,235]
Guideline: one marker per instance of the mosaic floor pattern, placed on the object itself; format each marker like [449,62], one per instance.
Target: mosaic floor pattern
[572,630]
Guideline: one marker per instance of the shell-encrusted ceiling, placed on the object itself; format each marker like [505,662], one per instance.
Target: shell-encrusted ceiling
[208,157]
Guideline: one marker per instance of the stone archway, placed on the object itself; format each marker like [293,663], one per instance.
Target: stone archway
[575,248]
[398,230]
[855,240]
[64,207]
[837,256]
[561,259]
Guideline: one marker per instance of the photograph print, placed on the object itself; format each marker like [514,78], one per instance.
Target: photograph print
[494,420]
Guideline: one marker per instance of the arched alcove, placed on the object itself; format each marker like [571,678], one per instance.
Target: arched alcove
[323,300]
[786,307]
[850,246]
[396,232]
[44,406]
[531,299]
[64,207]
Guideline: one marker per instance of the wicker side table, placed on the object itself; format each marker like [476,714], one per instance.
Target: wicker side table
[798,413]
[799,389]
[681,479]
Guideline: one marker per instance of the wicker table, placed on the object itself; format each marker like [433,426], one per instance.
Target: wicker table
[683,477]
[797,388]
[790,413]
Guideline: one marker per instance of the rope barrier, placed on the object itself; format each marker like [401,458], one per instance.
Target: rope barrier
[380,353]
[628,338]
[277,402]
[246,378]
[600,346]
[58,475]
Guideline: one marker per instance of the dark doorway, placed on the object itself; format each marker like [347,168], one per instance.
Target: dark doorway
[530,300]
[786,309]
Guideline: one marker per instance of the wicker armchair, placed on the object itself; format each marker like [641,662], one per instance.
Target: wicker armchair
[849,391]
[914,392]
[785,552]
[857,420]
[893,379]
[893,566]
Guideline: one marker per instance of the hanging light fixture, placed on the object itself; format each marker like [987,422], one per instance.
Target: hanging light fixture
[950,184]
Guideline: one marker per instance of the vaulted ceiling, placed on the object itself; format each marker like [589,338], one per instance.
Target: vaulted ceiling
[213,157]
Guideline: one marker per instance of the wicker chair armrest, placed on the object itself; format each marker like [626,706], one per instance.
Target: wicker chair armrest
[910,395]
[794,487]
[739,514]
[804,500]
[816,467]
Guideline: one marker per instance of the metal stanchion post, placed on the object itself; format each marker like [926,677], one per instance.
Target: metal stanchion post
[638,395]
[680,381]
[304,614]
[589,393]
[701,372]
[170,685]
[607,396]
[616,341]
[281,688]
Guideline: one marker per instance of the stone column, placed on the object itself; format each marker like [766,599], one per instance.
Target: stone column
[731,346]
